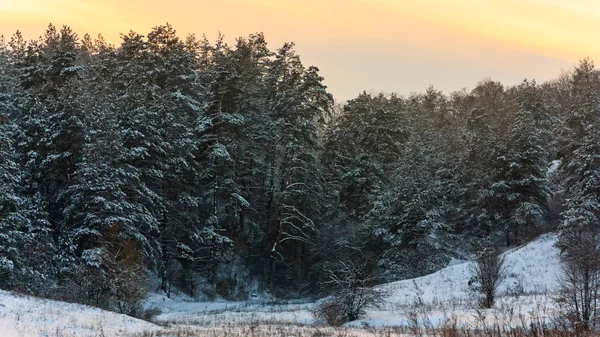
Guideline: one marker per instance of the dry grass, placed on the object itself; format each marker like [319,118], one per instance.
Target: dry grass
[449,330]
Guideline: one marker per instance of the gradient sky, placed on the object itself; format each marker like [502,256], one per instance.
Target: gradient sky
[375,45]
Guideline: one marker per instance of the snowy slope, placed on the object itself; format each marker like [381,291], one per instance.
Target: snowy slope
[29,316]
[534,266]
[532,273]
[525,295]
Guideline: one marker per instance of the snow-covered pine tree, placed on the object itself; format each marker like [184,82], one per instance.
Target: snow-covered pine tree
[24,261]
[52,122]
[12,219]
[176,101]
[583,112]
[366,141]
[582,208]
[579,153]
[413,218]
[483,160]
[526,163]
[109,231]
[297,101]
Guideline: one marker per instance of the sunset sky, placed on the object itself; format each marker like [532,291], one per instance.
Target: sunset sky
[375,45]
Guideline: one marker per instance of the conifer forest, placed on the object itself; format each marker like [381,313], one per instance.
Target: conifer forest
[170,162]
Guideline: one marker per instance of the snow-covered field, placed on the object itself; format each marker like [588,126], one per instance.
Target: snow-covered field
[436,300]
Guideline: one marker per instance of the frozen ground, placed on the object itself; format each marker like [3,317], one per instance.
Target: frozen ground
[525,294]
[28,316]
[231,313]
[434,300]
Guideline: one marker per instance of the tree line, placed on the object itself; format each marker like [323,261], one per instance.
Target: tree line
[225,169]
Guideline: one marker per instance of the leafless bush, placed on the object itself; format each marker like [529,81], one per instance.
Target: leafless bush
[111,277]
[329,312]
[354,293]
[580,280]
[489,271]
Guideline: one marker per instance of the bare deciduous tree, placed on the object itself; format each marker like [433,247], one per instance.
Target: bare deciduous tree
[354,293]
[580,281]
[489,270]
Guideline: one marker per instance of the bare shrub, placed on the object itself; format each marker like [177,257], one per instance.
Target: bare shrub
[127,283]
[580,280]
[329,312]
[353,294]
[489,271]
[110,276]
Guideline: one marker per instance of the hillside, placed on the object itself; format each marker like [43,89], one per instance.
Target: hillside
[436,299]
[532,273]
[29,316]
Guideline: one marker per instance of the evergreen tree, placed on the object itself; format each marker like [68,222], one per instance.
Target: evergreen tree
[361,150]
[526,164]
[485,187]
[297,103]
[582,208]
[109,229]
[413,218]
[24,259]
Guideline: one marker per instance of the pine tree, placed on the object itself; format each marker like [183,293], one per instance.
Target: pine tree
[583,112]
[582,207]
[578,149]
[526,164]
[485,186]
[413,218]
[361,150]
[23,229]
[12,220]
[109,229]
[52,118]
[297,102]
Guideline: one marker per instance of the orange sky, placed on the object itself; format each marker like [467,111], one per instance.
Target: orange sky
[375,45]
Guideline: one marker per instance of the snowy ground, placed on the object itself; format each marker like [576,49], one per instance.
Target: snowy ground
[233,313]
[525,294]
[434,300]
[28,316]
